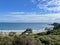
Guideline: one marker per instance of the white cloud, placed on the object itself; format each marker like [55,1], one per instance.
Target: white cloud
[51,5]
[21,13]
[31,18]
[16,13]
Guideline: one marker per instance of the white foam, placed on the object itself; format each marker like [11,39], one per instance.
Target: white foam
[12,30]
[36,31]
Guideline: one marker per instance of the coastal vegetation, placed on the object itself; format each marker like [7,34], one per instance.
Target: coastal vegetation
[50,37]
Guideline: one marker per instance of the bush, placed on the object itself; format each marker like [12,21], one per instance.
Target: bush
[28,31]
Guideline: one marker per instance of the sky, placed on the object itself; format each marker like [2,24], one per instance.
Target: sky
[29,10]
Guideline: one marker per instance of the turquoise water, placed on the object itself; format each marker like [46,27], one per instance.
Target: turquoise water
[23,26]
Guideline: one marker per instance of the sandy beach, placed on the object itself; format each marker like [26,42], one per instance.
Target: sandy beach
[20,31]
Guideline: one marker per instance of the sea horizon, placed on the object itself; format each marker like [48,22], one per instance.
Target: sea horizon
[20,27]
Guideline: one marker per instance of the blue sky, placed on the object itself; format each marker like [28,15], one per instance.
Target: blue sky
[29,10]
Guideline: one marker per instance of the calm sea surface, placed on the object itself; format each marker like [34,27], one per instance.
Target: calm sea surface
[23,26]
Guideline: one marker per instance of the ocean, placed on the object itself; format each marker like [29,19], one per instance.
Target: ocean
[23,26]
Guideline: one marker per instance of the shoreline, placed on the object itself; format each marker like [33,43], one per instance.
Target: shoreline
[20,31]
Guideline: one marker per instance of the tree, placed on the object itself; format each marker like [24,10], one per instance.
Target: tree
[28,31]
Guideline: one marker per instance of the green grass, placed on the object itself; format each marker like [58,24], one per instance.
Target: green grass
[30,40]
[50,39]
[45,38]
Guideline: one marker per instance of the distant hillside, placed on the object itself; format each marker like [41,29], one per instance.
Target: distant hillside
[56,25]
[55,31]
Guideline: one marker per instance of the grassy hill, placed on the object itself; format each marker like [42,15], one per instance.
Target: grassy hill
[30,40]
[50,40]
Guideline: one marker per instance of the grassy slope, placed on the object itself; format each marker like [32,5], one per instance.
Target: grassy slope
[30,40]
[50,39]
